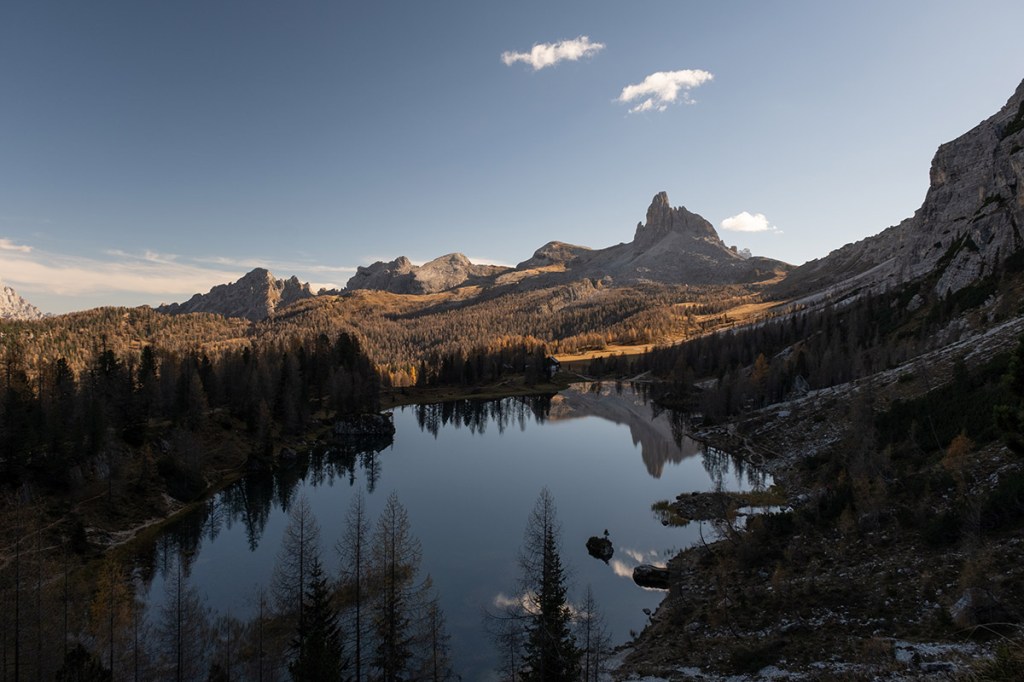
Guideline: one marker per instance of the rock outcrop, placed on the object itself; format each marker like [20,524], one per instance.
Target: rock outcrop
[371,424]
[673,246]
[554,253]
[400,276]
[600,548]
[970,222]
[254,297]
[654,577]
[14,307]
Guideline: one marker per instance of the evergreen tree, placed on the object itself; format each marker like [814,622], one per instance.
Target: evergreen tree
[550,649]
[82,666]
[318,641]
[1010,417]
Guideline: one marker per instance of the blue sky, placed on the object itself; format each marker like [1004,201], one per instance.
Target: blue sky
[149,150]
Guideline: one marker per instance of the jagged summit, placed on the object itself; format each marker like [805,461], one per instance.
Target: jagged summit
[663,220]
[971,220]
[14,307]
[254,296]
[673,246]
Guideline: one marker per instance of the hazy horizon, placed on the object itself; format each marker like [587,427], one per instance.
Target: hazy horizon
[153,151]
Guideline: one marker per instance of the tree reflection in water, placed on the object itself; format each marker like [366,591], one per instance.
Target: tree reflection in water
[251,501]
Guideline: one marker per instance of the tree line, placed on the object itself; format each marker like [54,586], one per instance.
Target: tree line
[375,618]
[137,418]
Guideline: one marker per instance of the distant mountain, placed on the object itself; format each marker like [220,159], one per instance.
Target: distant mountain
[253,297]
[14,307]
[674,246]
[971,220]
[400,276]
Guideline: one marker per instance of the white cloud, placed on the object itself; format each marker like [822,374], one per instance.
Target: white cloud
[746,222]
[549,54]
[280,268]
[621,569]
[8,245]
[488,261]
[526,601]
[81,276]
[662,88]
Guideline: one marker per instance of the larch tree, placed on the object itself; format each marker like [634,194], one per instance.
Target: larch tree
[353,550]
[397,598]
[592,637]
[299,548]
[183,629]
[436,658]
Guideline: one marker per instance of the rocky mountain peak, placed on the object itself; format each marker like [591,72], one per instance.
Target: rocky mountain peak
[14,307]
[255,296]
[400,276]
[554,253]
[971,220]
[663,220]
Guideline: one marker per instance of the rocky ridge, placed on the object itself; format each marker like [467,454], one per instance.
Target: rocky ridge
[14,307]
[400,276]
[254,297]
[673,246]
[971,220]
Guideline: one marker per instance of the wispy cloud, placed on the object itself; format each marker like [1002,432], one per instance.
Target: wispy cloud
[549,54]
[489,261]
[527,601]
[61,275]
[747,222]
[8,245]
[663,88]
[278,267]
[144,277]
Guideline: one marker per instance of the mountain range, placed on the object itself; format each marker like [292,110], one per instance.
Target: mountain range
[969,223]
[253,297]
[673,246]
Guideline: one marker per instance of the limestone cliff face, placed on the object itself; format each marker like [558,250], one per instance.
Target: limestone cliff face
[395,276]
[14,307]
[970,221]
[674,246]
[400,276]
[254,297]
[665,222]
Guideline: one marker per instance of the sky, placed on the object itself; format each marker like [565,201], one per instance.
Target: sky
[150,150]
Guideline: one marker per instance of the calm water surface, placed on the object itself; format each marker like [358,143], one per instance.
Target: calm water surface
[469,473]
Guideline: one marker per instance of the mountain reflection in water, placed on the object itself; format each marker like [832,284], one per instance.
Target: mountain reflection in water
[469,473]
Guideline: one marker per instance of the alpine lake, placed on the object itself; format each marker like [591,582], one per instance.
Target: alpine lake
[469,473]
